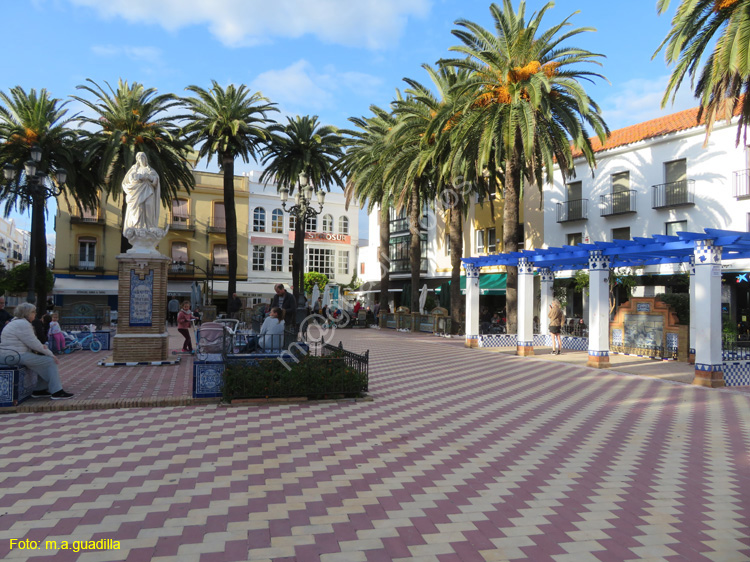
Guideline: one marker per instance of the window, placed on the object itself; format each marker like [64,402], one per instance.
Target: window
[291,259]
[320,260]
[90,215]
[344,224]
[277,258]
[491,241]
[277,221]
[620,182]
[675,171]
[180,252]
[86,253]
[259,219]
[574,191]
[221,259]
[621,233]
[672,228]
[311,225]
[180,212]
[259,258]
[362,268]
[447,244]
[292,223]
[344,262]
[575,238]
[220,221]
[327,224]
[479,238]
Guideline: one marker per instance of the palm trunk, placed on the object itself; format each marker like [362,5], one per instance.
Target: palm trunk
[456,235]
[384,257]
[511,198]
[415,255]
[230,211]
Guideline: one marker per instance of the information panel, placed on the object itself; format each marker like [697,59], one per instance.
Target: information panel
[141,299]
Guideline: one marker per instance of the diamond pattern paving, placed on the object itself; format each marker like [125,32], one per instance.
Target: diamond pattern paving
[463,455]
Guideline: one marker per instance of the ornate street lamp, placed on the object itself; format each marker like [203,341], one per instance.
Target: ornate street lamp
[302,210]
[38,191]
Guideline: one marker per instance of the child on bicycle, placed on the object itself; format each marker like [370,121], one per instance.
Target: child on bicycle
[56,334]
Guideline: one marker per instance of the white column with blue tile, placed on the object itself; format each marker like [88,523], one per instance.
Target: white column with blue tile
[547,279]
[598,309]
[525,308]
[693,312]
[708,354]
[472,305]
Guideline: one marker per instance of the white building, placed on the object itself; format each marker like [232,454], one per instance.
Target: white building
[331,239]
[14,244]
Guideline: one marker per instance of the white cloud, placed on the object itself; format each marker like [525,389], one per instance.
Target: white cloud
[301,87]
[639,100]
[373,24]
[141,54]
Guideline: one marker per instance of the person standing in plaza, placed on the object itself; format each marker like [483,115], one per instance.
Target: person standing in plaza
[173,307]
[234,307]
[555,316]
[5,316]
[285,301]
[184,318]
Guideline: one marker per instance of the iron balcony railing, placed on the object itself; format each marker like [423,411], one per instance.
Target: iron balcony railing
[618,203]
[80,263]
[401,266]
[673,194]
[573,210]
[742,184]
[181,270]
[182,223]
[218,268]
[217,225]
[78,217]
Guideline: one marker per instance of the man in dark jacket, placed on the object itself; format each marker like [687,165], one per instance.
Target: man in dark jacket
[5,316]
[285,301]
[234,308]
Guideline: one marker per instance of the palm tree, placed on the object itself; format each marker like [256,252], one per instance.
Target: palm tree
[228,123]
[129,120]
[303,146]
[364,166]
[528,107]
[28,119]
[724,81]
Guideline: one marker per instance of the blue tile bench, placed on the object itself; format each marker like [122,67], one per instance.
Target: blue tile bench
[102,336]
[16,382]
[208,373]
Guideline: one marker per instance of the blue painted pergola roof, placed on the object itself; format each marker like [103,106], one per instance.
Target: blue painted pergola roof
[656,250]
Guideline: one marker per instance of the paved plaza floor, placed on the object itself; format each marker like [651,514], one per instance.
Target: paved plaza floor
[462,455]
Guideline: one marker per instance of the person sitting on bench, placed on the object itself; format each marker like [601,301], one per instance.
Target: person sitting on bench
[271,337]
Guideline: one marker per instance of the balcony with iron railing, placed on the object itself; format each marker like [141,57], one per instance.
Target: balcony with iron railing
[79,217]
[573,210]
[217,225]
[741,184]
[617,203]
[182,222]
[673,194]
[181,271]
[218,269]
[404,266]
[80,263]
[399,225]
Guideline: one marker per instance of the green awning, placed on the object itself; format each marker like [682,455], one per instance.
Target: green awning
[489,284]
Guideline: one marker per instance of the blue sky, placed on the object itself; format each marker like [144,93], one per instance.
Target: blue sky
[331,58]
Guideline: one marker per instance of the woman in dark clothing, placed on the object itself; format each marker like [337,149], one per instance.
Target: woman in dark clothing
[41,328]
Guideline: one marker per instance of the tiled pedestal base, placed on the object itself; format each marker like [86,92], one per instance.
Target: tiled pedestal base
[711,376]
[598,361]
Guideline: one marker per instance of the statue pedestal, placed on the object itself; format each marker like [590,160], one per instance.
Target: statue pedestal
[142,308]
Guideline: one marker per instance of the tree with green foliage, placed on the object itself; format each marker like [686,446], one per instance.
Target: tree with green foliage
[312,278]
[228,123]
[16,280]
[30,119]
[124,122]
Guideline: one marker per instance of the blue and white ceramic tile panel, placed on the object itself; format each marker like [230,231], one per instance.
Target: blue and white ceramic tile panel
[426,327]
[575,343]
[542,340]
[104,337]
[616,336]
[498,340]
[737,373]
[207,379]
[16,384]
[672,340]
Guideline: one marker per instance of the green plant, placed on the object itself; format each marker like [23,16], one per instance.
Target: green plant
[680,304]
[17,279]
[312,278]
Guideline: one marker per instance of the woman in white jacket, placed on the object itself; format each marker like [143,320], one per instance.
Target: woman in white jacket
[19,336]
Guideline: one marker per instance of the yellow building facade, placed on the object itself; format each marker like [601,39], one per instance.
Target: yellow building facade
[88,242]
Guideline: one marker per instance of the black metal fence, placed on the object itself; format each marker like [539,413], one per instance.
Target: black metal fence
[573,210]
[673,194]
[734,349]
[618,203]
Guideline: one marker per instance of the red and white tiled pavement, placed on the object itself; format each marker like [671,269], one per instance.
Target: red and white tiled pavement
[463,455]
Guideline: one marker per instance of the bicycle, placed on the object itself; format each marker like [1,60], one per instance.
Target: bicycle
[78,344]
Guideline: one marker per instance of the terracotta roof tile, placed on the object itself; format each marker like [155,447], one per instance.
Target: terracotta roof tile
[673,123]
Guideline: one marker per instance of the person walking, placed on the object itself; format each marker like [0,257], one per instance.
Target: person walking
[555,316]
[184,318]
[173,307]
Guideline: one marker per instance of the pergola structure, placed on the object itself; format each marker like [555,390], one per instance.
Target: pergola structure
[704,251]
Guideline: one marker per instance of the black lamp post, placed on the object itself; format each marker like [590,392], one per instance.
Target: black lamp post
[302,210]
[38,191]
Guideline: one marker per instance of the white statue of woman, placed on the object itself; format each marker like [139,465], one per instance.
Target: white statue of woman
[142,195]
